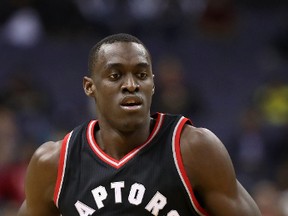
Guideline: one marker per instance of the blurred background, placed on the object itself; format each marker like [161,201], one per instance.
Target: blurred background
[223,63]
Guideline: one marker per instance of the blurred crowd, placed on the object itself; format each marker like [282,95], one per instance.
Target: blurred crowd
[25,21]
[249,111]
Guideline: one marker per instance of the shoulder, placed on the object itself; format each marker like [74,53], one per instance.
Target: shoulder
[40,181]
[47,154]
[200,139]
[204,155]
[211,174]
[43,168]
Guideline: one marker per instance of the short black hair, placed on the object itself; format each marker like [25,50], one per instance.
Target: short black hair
[120,37]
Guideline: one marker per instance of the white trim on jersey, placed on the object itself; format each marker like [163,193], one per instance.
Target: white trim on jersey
[61,169]
[181,171]
[111,161]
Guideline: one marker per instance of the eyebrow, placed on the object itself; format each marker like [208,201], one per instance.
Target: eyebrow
[143,65]
[117,65]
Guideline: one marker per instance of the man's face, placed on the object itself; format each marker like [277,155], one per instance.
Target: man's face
[123,84]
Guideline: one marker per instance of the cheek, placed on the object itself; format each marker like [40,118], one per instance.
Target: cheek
[150,90]
[105,94]
[149,95]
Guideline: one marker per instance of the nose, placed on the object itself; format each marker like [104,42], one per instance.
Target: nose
[130,84]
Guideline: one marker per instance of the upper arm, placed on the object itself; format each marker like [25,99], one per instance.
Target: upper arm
[40,182]
[211,173]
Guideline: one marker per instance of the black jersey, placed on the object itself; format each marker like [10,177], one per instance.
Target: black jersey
[149,180]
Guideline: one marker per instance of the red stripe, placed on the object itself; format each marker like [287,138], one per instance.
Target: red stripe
[60,169]
[182,168]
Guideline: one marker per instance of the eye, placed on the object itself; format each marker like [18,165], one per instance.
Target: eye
[142,75]
[114,76]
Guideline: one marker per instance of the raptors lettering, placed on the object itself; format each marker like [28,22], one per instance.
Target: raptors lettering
[136,194]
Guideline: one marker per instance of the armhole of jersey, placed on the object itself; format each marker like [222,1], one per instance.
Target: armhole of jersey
[61,168]
[180,166]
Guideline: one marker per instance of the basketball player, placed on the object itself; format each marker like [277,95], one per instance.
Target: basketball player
[129,162]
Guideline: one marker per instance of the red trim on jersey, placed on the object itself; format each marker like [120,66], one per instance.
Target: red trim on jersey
[61,168]
[108,159]
[180,166]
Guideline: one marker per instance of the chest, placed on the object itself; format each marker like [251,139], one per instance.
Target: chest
[147,183]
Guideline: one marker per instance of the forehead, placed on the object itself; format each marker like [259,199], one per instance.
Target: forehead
[123,52]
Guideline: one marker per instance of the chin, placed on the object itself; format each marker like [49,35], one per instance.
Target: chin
[134,122]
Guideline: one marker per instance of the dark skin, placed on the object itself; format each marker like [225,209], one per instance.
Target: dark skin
[122,75]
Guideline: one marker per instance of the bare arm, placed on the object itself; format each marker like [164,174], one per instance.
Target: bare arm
[212,175]
[40,182]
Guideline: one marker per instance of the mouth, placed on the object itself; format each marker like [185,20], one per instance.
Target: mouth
[131,103]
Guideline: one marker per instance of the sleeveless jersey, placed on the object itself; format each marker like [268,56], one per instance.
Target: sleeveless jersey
[149,180]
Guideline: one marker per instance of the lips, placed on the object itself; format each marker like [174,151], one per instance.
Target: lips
[131,101]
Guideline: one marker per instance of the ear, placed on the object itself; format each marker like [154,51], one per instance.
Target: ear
[88,86]
[153,90]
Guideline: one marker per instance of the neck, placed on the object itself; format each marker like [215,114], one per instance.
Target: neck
[118,143]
